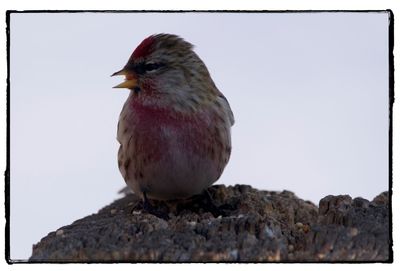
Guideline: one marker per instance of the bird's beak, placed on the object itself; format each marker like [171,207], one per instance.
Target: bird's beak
[130,79]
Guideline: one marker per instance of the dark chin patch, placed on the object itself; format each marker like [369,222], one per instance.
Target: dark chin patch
[136,90]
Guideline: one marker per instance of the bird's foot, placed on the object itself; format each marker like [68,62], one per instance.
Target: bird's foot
[150,209]
[209,205]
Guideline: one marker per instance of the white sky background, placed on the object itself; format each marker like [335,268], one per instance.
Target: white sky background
[309,92]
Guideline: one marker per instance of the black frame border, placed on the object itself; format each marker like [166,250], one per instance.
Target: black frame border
[391,102]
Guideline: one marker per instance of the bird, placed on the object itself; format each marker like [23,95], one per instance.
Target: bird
[174,129]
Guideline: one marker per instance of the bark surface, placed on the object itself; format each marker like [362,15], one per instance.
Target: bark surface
[249,225]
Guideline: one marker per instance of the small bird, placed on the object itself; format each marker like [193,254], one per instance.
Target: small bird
[174,129]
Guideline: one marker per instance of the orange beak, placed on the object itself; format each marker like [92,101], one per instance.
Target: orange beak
[130,79]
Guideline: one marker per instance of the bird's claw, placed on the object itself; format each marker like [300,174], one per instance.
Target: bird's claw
[150,209]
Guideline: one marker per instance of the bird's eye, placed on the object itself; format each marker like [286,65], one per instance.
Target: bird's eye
[142,68]
[152,66]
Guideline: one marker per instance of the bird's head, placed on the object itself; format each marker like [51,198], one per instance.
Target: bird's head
[166,64]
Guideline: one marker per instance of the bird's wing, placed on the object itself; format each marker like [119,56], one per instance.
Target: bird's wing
[226,105]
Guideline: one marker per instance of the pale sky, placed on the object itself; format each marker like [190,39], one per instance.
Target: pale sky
[309,92]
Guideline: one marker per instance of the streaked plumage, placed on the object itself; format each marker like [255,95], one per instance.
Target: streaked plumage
[175,127]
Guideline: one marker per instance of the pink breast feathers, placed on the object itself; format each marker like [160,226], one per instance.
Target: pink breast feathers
[162,128]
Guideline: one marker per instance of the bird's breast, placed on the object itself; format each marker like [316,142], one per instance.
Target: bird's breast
[163,132]
[171,153]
